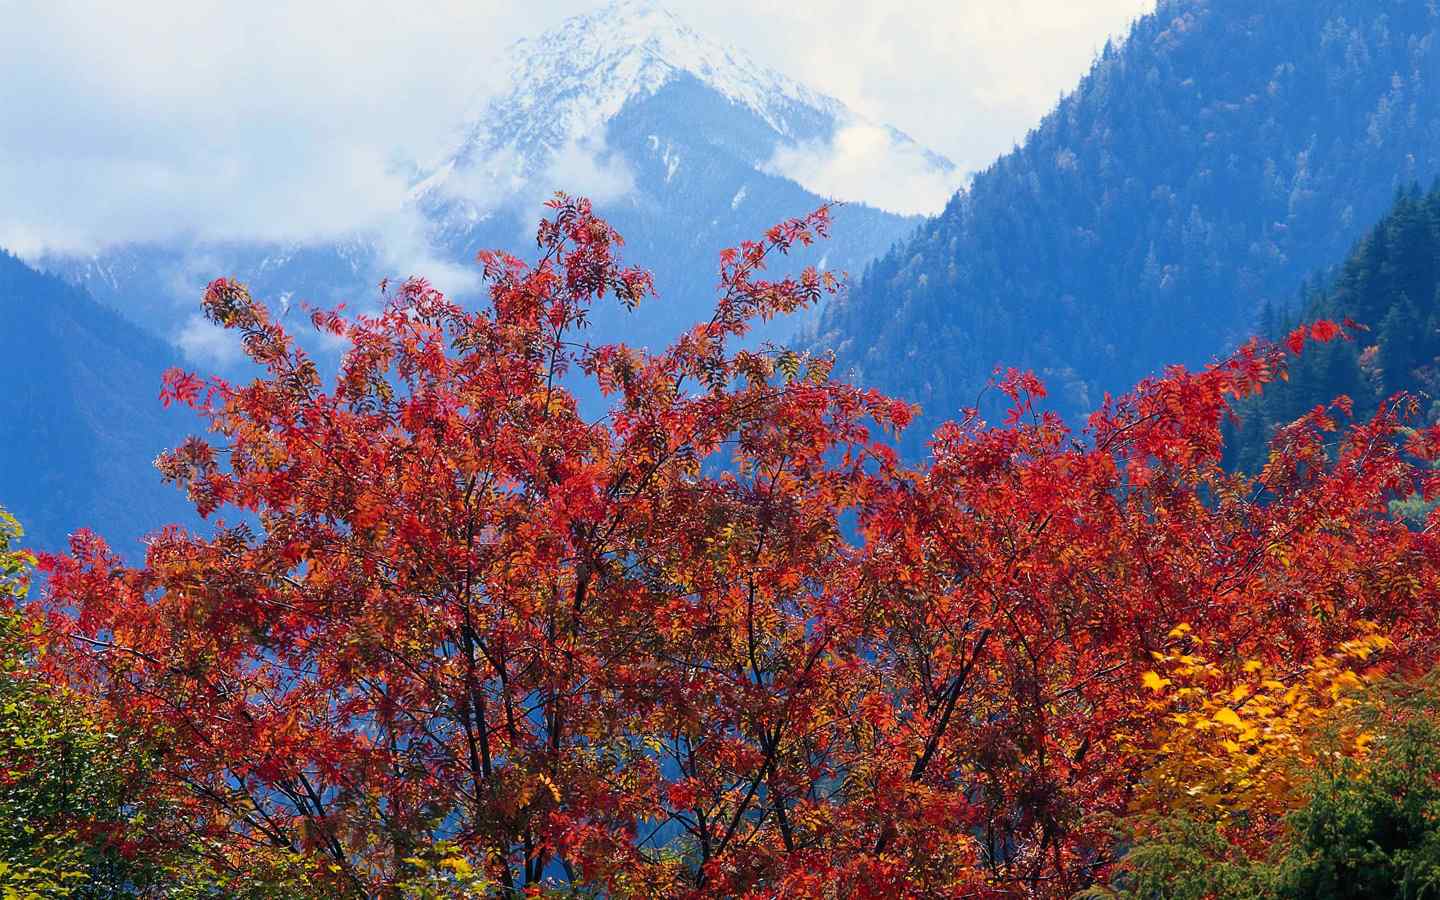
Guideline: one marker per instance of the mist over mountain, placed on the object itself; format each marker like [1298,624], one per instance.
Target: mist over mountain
[1208,163]
[686,146]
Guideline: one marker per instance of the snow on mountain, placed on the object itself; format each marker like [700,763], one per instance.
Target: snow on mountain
[571,81]
[566,87]
[680,141]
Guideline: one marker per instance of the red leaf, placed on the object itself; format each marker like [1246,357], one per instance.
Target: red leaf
[1324,331]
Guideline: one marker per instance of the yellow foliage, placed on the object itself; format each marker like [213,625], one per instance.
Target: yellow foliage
[550,785]
[1227,716]
[1154,682]
[459,865]
[1241,740]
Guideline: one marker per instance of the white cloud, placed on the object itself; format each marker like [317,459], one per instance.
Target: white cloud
[186,281]
[258,193]
[212,119]
[481,186]
[966,78]
[587,168]
[404,249]
[207,344]
[866,162]
[498,185]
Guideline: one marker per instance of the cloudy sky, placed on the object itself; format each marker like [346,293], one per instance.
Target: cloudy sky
[217,119]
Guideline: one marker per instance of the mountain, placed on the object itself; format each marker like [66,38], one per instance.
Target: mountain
[581,76]
[671,134]
[1390,284]
[80,418]
[1208,163]
[678,132]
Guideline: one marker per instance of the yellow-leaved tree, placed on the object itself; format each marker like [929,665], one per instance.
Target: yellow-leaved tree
[1235,741]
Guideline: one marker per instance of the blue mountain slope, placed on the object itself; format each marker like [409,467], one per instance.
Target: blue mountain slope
[1213,160]
[80,419]
[694,158]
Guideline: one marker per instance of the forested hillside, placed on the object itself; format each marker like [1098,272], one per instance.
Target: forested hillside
[1389,285]
[1215,158]
[80,416]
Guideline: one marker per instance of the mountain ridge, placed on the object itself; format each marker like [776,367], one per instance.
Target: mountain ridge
[628,48]
[1209,161]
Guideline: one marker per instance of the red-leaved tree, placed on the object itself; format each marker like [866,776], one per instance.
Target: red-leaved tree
[717,642]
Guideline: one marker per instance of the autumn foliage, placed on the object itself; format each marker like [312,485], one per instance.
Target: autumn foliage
[450,633]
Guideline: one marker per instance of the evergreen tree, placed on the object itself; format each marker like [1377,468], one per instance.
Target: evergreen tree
[1396,345]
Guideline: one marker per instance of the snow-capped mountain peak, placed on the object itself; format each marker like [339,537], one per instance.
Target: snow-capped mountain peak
[639,44]
[565,85]
[629,95]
